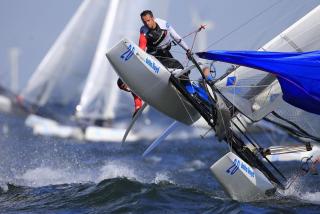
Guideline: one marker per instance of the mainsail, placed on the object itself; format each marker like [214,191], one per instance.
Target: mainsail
[58,77]
[256,94]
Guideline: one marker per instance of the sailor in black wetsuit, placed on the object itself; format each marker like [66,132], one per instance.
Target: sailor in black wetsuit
[155,38]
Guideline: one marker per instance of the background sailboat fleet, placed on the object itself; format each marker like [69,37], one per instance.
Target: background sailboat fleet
[76,78]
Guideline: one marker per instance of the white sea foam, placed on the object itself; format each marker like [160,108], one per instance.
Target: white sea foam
[162,177]
[43,176]
[3,187]
[296,190]
[115,169]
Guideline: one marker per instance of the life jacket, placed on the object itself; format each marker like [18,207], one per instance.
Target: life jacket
[152,40]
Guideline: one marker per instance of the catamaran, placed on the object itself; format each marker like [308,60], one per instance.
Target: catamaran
[270,87]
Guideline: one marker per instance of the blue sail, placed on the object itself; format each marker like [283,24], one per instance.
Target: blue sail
[297,73]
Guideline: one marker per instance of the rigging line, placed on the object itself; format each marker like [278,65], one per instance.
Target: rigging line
[178,52]
[292,131]
[253,142]
[193,41]
[258,147]
[296,126]
[242,25]
[246,86]
[233,98]
[184,106]
[165,57]
[202,27]
[268,95]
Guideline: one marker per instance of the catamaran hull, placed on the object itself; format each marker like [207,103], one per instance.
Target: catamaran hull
[105,134]
[5,104]
[149,79]
[240,181]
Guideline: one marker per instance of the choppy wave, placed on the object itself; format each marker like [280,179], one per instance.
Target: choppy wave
[60,176]
[112,195]
[305,191]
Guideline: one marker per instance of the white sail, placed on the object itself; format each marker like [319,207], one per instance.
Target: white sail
[66,65]
[256,93]
[100,96]
[92,102]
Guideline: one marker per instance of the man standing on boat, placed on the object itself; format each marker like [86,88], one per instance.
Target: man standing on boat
[155,38]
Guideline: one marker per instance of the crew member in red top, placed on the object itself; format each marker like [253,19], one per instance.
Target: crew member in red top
[155,38]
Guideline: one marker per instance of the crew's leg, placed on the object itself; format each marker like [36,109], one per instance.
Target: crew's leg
[166,58]
[122,85]
[184,79]
[137,100]
[137,103]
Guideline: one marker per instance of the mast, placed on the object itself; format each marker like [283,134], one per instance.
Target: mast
[14,54]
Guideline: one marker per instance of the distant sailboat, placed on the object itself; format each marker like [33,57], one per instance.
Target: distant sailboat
[60,76]
[100,97]
[87,37]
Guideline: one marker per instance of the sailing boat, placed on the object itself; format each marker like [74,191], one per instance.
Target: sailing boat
[245,172]
[87,36]
[101,97]
[64,69]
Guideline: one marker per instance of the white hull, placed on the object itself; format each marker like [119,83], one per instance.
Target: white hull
[149,79]
[48,127]
[5,104]
[240,181]
[58,131]
[104,134]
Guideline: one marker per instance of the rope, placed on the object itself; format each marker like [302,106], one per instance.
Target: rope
[184,106]
[244,24]
[202,27]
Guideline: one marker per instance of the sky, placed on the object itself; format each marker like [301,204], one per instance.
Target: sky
[32,26]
